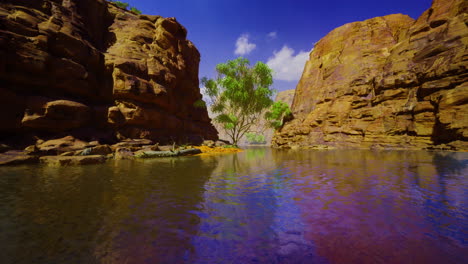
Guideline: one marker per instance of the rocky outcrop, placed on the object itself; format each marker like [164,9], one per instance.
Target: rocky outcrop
[286,96]
[386,82]
[73,151]
[90,69]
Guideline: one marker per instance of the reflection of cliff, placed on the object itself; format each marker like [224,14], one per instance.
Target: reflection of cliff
[133,212]
[155,218]
[83,67]
[386,82]
[377,207]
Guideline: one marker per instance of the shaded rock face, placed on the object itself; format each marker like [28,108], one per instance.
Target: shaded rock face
[83,67]
[386,82]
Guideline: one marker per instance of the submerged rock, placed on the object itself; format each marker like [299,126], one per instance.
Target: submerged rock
[72,160]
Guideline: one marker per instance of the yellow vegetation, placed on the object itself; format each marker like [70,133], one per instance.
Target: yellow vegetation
[216,150]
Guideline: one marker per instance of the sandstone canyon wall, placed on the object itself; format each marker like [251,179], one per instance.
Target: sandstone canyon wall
[91,69]
[386,82]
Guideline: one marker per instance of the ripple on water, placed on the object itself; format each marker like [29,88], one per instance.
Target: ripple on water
[257,206]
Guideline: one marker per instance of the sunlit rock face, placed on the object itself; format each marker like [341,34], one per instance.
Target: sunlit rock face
[75,66]
[386,82]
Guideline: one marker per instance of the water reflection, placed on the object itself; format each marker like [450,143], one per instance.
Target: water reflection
[257,206]
[127,212]
[380,207]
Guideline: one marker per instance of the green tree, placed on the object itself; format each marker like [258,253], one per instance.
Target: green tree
[239,95]
[277,113]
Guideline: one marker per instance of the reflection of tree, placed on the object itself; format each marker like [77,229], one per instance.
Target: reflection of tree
[242,208]
[133,212]
[254,159]
[255,153]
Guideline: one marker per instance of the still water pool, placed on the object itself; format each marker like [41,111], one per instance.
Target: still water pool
[258,206]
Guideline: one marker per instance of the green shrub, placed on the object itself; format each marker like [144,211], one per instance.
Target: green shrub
[121,4]
[277,113]
[229,146]
[135,10]
[254,138]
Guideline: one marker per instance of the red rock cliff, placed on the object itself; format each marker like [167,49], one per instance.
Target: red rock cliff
[386,82]
[92,69]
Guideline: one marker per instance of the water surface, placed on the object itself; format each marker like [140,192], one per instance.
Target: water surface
[258,206]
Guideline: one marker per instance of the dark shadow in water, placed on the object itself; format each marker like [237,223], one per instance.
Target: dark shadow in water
[127,212]
[447,163]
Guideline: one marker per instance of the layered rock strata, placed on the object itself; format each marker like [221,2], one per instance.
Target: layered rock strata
[386,82]
[90,69]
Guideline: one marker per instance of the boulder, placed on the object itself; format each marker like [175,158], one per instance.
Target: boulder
[208,143]
[156,154]
[123,154]
[166,148]
[33,149]
[4,148]
[98,150]
[128,143]
[220,143]
[160,154]
[17,158]
[61,145]
[190,151]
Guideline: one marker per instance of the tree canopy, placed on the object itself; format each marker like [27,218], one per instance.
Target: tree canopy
[239,95]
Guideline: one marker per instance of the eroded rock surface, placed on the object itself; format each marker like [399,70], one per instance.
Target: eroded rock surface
[386,82]
[88,68]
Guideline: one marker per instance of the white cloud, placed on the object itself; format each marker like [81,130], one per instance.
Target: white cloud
[272,35]
[286,65]
[243,47]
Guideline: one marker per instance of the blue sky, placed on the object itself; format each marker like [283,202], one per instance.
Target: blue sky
[282,32]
